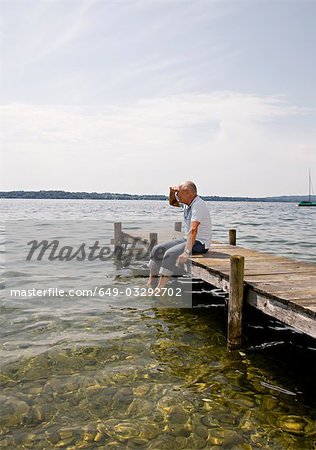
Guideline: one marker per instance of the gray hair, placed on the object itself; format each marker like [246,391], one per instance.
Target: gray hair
[189,186]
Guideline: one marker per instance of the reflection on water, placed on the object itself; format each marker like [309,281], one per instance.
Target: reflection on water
[95,373]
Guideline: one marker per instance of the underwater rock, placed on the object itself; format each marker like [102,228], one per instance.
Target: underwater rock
[36,415]
[140,407]
[125,431]
[52,436]
[137,442]
[7,442]
[201,431]
[141,390]
[243,400]
[181,442]
[178,415]
[196,442]
[296,425]
[242,446]
[101,433]
[89,432]
[36,390]
[165,442]
[167,402]
[268,402]
[13,412]
[28,440]
[221,437]
[246,422]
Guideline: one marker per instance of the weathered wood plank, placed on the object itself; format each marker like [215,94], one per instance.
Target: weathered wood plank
[250,274]
[263,269]
[296,319]
[211,276]
[129,239]
[284,289]
[262,273]
[222,257]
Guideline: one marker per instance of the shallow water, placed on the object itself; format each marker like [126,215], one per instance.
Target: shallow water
[110,373]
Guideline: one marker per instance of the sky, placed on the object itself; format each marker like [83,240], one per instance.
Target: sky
[138,95]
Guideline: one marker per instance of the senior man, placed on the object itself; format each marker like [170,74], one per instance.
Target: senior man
[197,234]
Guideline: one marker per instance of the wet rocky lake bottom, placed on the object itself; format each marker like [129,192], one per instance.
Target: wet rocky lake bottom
[157,379]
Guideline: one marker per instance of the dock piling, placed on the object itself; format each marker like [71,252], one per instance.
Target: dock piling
[153,240]
[177,226]
[232,236]
[117,234]
[235,301]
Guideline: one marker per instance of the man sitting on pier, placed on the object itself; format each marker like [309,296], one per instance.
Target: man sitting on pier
[197,234]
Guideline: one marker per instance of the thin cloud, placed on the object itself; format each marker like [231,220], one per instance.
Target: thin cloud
[169,113]
[224,130]
[46,30]
[72,123]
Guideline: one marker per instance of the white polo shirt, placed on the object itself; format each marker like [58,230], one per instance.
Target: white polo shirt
[198,211]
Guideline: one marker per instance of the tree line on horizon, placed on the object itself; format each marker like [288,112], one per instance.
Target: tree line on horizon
[58,194]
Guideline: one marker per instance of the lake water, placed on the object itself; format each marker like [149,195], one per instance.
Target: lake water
[115,372]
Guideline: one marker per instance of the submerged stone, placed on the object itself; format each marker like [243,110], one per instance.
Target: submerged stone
[141,390]
[268,402]
[140,407]
[13,412]
[181,442]
[293,424]
[223,437]
[124,431]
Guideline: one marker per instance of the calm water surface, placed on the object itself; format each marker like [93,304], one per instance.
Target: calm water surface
[109,373]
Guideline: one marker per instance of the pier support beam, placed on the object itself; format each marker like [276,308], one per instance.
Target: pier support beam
[177,226]
[117,234]
[232,237]
[118,238]
[153,240]
[235,301]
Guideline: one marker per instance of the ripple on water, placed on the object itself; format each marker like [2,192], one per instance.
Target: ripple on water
[80,374]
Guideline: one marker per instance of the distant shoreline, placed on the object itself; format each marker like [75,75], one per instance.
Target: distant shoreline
[65,195]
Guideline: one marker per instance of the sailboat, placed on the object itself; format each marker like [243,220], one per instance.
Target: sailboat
[308,202]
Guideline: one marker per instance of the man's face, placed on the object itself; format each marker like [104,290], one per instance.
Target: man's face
[183,195]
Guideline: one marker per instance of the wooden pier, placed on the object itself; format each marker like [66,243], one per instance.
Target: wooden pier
[280,287]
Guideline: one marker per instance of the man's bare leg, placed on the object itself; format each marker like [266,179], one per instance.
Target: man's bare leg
[163,280]
[152,281]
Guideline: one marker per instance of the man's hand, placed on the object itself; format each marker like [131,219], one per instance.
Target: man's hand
[172,199]
[183,258]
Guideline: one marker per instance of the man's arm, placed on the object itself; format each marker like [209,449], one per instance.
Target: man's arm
[172,199]
[190,241]
[191,237]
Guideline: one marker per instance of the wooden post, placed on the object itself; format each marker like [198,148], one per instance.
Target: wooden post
[177,226]
[232,237]
[118,244]
[117,233]
[235,301]
[153,240]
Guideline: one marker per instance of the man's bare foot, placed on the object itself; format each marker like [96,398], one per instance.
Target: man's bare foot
[152,282]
